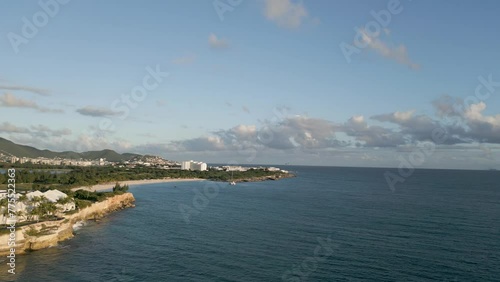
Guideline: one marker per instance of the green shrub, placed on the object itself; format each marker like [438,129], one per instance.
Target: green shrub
[118,189]
[81,204]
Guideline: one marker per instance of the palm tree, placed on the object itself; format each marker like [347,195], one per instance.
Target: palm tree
[45,207]
[36,207]
[34,212]
[22,198]
[49,208]
[19,214]
[35,201]
[61,202]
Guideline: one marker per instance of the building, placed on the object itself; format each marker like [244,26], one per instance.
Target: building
[198,166]
[33,194]
[192,165]
[234,168]
[186,165]
[55,195]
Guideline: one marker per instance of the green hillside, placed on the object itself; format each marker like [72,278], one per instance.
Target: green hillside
[9,147]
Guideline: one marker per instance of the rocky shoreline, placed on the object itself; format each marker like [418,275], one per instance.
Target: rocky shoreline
[49,233]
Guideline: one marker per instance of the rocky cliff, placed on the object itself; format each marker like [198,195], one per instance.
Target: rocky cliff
[48,233]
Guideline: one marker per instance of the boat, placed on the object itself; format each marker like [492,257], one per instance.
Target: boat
[232,181]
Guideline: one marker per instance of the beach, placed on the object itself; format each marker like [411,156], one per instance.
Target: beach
[110,185]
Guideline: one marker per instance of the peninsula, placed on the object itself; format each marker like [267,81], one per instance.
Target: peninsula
[54,191]
[44,219]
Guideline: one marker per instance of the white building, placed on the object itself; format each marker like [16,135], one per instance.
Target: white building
[234,168]
[203,166]
[55,195]
[31,195]
[198,166]
[186,165]
[192,165]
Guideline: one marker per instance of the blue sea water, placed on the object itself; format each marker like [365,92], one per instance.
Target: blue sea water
[327,224]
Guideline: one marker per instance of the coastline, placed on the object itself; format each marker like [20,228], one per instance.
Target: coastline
[110,185]
[50,233]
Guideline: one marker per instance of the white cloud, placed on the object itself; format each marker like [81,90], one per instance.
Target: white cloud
[217,43]
[7,127]
[396,117]
[11,101]
[205,143]
[396,53]
[96,111]
[370,136]
[35,135]
[475,113]
[35,90]
[285,13]
[44,131]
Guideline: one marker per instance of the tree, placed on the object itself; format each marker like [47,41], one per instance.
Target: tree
[4,206]
[19,214]
[22,198]
[120,189]
[61,203]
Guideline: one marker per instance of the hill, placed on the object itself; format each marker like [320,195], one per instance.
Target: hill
[11,148]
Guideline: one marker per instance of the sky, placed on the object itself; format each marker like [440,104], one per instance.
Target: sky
[344,83]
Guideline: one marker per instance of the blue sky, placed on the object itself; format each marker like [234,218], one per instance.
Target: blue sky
[264,66]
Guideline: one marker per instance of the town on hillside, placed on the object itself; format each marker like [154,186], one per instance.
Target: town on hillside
[148,161]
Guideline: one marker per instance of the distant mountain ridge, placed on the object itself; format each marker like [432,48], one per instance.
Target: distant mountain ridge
[7,146]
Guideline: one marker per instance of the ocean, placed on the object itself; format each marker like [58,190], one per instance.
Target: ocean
[327,224]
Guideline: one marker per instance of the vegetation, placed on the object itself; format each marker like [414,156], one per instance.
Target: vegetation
[43,209]
[81,204]
[42,232]
[88,176]
[31,152]
[120,189]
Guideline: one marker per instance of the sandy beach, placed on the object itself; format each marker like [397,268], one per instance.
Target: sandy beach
[110,185]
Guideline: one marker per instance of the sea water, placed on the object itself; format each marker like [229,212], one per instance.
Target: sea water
[327,224]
